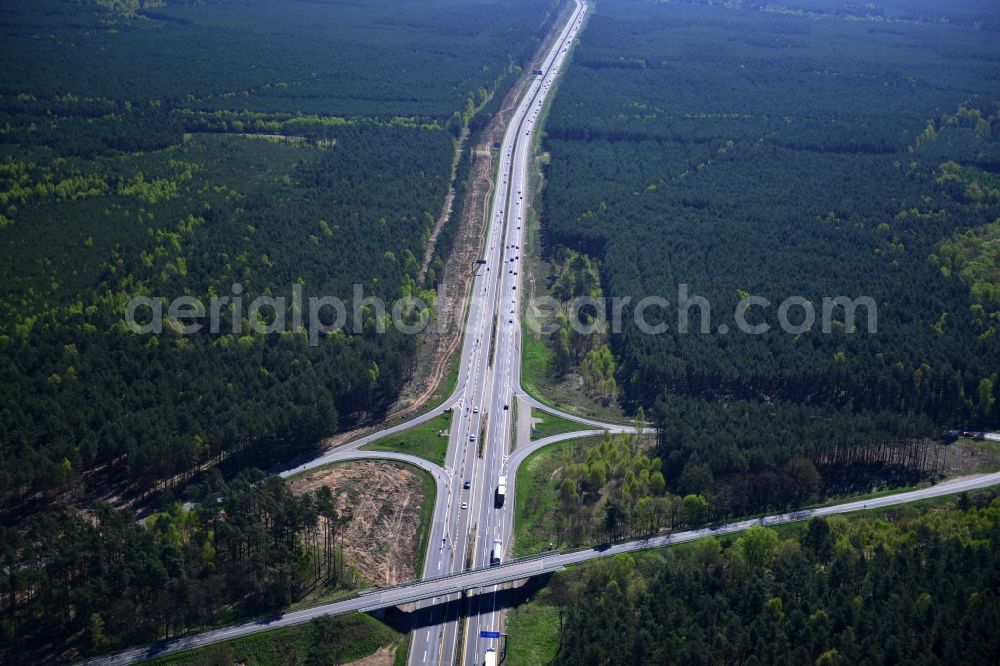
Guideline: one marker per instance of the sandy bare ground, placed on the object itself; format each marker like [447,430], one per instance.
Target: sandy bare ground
[383,501]
[383,657]
[966,458]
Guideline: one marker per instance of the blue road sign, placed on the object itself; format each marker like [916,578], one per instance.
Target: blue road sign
[489,634]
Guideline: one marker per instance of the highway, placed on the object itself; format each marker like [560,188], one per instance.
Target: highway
[467,526]
[489,577]
[480,433]
[465,523]
[486,523]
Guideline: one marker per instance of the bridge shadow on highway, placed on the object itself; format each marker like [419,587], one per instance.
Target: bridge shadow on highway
[471,604]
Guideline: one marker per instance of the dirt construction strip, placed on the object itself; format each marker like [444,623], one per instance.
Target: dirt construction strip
[383,504]
[437,350]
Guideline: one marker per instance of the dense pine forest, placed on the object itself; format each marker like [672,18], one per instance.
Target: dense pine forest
[183,148]
[907,586]
[168,148]
[810,149]
[246,548]
[629,487]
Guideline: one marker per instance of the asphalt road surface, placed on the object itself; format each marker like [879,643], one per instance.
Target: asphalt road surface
[488,577]
[489,372]
[464,541]
[485,525]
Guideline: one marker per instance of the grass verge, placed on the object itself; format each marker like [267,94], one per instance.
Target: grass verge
[546,425]
[533,632]
[426,514]
[360,635]
[426,440]
[535,358]
[536,496]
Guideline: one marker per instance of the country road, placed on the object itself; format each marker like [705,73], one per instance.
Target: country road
[487,578]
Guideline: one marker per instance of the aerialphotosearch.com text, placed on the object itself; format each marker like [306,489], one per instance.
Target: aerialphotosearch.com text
[320,316]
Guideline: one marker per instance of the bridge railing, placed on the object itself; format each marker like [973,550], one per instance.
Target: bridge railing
[458,574]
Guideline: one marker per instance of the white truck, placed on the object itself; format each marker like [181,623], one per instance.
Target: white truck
[496,555]
[501,492]
[491,657]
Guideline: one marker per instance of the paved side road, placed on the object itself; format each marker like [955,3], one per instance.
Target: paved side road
[490,576]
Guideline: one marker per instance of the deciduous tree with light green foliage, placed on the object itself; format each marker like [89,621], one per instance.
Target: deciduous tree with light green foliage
[695,509]
[757,546]
[598,370]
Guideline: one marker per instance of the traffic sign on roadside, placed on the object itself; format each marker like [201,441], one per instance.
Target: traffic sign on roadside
[489,634]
